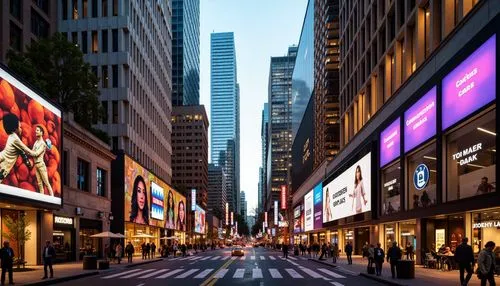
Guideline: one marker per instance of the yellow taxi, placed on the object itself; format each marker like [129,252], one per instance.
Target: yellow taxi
[237,251]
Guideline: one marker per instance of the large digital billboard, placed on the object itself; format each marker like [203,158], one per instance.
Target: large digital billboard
[390,140]
[199,220]
[349,193]
[298,219]
[309,211]
[420,120]
[30,143]
[318,206]
[139,186]
[471,85]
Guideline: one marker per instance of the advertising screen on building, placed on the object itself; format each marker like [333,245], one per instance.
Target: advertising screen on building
[318,206]
[349,193]
[157,201]
[298,218]
[199,220]
[420,120]
[138,199]
[30,143]
[309,211]
[471,85]
[390,140]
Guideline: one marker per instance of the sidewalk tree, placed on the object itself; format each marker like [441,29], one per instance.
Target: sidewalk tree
[18,232]
[56,67]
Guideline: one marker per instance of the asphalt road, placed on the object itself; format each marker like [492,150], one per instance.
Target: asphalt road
[258,266]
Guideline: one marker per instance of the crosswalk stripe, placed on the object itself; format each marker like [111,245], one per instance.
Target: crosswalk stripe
[275,273]
[240,272]
[171,273]
[252,257]
[203,273]
[234,258]
[243,258]
[337,283]
[311,273]
[331,273]
[137,273]
[293,273]
[206,257]
[221,273]
[292,258]
[262,258]
[186,274]
[121,273]
[257,273]
[225,258]
[272,257]
[215,258]
[153,274]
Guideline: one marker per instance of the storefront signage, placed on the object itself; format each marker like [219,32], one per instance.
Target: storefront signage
[487,224]
[349,193]
[283,197]
[389,230]
[157,201]
[390,185]
[63,220]
[193,199]
[308,210]
[440,238]
[296,212]
[283,223]
[421,177]
[467,155]
[232,218]
[275,212]
[265,218]
[306,152]
[420,120]
[318,206]
[390,140]
[471,85]
[227,214]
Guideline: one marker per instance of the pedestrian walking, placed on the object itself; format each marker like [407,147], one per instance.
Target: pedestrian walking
[309,250]
[143,249]
[348,252]
[7,258]
[183,249]
[364,250]
[371,255]
[47,255]
[153,249]
[148,250]
[118,252]
[285,251]
[393,255]
[409,251]
[464,256]
[335,252]
[323,251]
[175,249]
[378,257]
[486,264]
[129,249]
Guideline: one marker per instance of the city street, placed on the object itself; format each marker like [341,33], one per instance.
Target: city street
[258,266]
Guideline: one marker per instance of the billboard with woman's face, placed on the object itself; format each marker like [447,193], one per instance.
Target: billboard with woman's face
[30,143]
[150,201]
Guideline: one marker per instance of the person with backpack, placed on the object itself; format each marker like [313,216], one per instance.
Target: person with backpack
[393,256]
[378,257]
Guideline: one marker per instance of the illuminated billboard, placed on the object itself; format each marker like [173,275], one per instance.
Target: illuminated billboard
[199,220]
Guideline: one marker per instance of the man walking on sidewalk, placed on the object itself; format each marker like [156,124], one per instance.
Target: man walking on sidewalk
[285,250]
[348,252]
[48,253]
[7,258]
[323,251]
[464,256]
[393,255]
[129,249]
[153,249]
[379,256]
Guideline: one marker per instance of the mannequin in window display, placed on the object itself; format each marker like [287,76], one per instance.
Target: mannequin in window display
[39,149]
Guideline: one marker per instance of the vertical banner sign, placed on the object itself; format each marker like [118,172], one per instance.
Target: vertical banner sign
[265,218]
[236,227]
[283,197]
[276,213]
[193,199]
[263,226]
[232,221]
[227,213]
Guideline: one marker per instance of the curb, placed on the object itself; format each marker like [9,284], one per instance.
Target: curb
[142,263]
[63,279]
[322,262]
[381,280]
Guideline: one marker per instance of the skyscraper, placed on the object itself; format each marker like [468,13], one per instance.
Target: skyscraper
[217,190]
[127,44]
[185,52]
[243,204]
[263,169]
[280,124]
[225,111]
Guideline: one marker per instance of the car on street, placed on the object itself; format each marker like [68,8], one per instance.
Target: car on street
[237,251]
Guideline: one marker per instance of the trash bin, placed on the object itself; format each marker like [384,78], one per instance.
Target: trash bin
[405,269]
[89,262]
[103,264]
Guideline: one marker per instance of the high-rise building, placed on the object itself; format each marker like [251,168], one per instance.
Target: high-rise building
[224,121]
[243,204]
[263,169]
[24,21]
[128,45]
[185,52]
[217,195]
[190,151]
[280,136]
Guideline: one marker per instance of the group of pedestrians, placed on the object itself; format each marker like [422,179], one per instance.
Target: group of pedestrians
[148,250]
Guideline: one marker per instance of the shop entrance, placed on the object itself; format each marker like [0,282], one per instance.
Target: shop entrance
[362,236]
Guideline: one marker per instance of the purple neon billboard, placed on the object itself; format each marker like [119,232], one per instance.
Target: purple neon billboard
[471,85]
[390,140]
[420,120]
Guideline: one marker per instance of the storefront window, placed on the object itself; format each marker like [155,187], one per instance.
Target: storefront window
[349,236]
[139,234]
[390,186]
[88,245]
[408,236]
[485,227]
[421,177]
[471,163]
[390,234]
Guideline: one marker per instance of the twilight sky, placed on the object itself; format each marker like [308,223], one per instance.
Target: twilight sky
[262,28]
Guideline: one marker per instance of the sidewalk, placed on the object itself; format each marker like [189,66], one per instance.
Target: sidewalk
[69,271]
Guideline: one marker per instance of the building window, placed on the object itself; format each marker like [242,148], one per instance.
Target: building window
[391,177]
[114,145]
[85,8]
[65,168]
[39,27]
[15,9]
[64,8]
[421,177]
[94,8]
[95,43]
[427,30]
[105,76]
[84,42]
[114,107]
[484,228]
[74,38]
[75,9]
[114,40]
[115,7]
[43,5]
[104,8]
[104,40]
[15,38]
[101,182]
[82,182]
[114,70]
[471,158]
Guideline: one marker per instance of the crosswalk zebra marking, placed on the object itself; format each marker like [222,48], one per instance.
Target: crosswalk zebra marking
[240,272]
[336,283]
[272,257]
[331,273]
[171,273]
[312,273]
[203,273]
[243,258]
[121,273]
[252,257]
[225,258]
[275,273]
[206,257]
[137,273]
[153,274]
[292,258]
[257,273]
[221,273]
[293,273]
[186,274]
[215,258]
[234,258]
[262,258]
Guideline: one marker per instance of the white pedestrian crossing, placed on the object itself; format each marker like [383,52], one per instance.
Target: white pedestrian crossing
[243,258]
[275,273]
[257,273]
[203,274]
[225,258]
[331,273]
[186,274]
[292,258]
[272,257]
[234,258]
[311,273]
[206,257]
[215,258]
[168,274]
[122,273]
[153,274]
[262,258]
[336,283]
[293,273]
[137,273]
[252,257]
[239,273]
[221,273]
